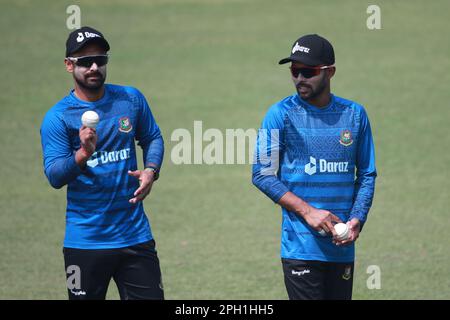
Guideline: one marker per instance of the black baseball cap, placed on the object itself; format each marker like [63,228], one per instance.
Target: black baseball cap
[82,36]
[312,50]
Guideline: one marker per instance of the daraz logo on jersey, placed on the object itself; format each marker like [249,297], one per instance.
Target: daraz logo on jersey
[104,157]
[325,166]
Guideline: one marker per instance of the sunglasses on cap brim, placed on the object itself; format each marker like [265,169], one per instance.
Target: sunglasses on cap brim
[308,72]
[87,61]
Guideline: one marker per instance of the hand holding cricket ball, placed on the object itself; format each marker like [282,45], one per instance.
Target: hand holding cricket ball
[87,133]
[342,231]
[346,233]
[90,119]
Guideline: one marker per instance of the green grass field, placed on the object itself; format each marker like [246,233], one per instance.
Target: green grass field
[216,61]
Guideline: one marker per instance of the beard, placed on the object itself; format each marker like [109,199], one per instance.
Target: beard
[92,81]
[308,92]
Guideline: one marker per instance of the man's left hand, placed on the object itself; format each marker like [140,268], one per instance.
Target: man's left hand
[146,179]
[354,226]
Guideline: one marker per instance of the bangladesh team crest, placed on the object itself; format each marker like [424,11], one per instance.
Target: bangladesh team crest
[125,124]
[347,273]
[346,138]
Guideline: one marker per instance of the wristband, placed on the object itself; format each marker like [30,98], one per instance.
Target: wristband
[155,171]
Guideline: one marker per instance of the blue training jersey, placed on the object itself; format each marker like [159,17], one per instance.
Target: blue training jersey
[326,157]
[99,215]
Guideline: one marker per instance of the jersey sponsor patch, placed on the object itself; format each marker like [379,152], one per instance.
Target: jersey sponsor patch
[105,157]
[325,166]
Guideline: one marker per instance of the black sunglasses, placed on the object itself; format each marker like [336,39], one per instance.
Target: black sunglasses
[87,61]
[308,72]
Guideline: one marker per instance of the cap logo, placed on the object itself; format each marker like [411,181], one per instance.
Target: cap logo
[91,35]
[80,37]
[86,35]
[297,47]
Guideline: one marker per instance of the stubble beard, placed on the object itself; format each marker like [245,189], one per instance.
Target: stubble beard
[92,86]
[313,93]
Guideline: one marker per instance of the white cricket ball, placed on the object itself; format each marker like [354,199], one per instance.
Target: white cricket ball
[90,119]
[342,231]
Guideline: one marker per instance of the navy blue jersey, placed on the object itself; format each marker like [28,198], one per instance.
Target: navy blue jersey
[99,214]
[326,157]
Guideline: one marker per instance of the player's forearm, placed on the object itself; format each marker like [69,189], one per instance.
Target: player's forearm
[292,203]
[81,157]
[153,152]
[366,174]
[364,193]
[62,171]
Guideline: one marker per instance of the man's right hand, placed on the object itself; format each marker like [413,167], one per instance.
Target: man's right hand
[88,142]
[320,219]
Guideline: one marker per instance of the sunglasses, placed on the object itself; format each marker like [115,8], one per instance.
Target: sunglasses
[87,61]
[308,72]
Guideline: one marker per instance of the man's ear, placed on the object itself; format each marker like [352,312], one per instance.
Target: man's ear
[69,65]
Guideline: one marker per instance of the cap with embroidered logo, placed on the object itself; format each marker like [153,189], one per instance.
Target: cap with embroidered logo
[312,50]
[80,37]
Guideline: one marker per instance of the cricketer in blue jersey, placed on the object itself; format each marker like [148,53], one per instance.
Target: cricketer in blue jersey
[315,158]
[107,234]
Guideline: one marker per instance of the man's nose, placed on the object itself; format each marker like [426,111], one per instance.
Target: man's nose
[94,67]
[300,77]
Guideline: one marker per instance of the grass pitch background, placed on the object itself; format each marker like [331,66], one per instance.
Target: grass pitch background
[216,61]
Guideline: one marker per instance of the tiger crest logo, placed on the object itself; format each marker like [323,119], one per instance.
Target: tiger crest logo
[346,138]
[347,273]
[125,124]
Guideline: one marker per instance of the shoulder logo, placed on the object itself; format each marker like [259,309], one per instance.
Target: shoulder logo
[125,124]
[346,138]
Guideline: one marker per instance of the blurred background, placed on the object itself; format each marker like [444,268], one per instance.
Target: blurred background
[218,237]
